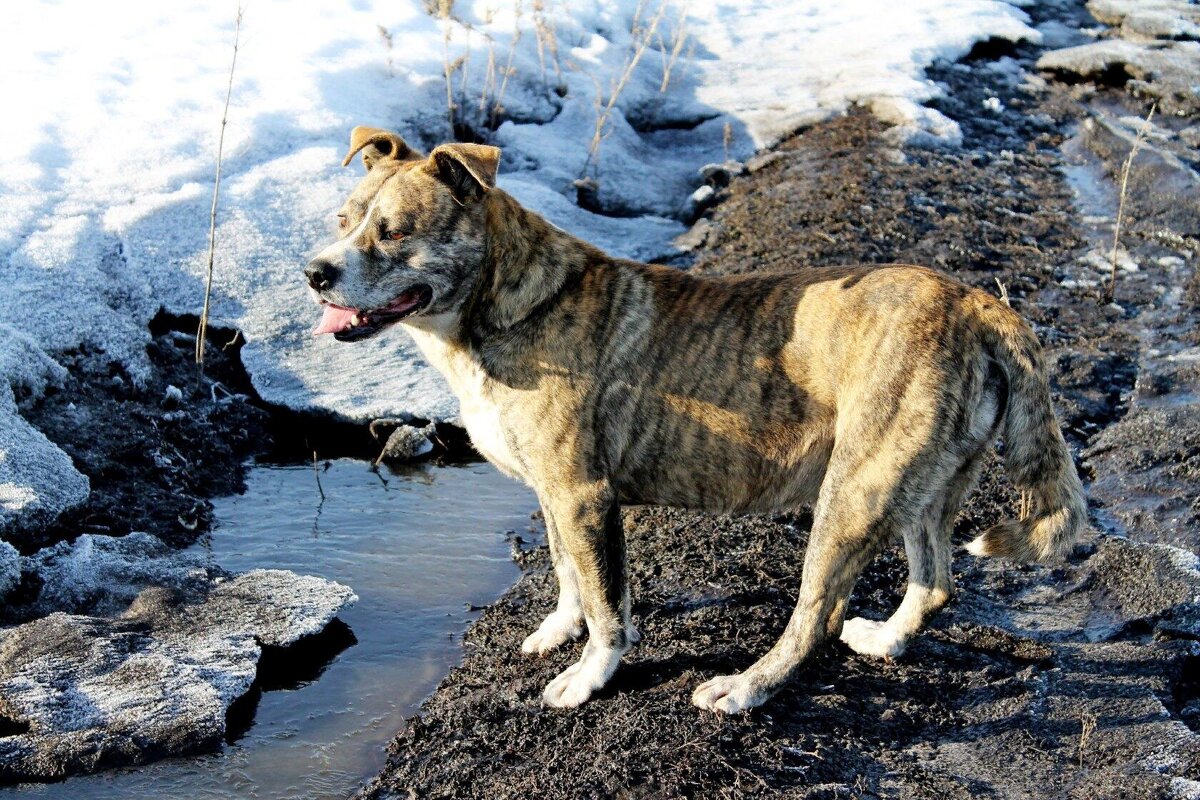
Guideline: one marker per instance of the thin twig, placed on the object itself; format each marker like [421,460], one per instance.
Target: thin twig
[1003,293]
[447,67]
[1133,150]
[202,331]
[678,40]
[317,473]
[498,104]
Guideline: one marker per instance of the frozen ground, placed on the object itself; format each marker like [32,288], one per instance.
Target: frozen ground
[112,124]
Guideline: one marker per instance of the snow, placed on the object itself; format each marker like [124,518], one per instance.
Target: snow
[1149,19]
[102,575]
[10,568]
[109,144]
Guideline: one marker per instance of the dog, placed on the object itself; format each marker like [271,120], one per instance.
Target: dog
[870,394]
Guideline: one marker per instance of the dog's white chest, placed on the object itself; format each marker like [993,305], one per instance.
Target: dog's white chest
[480,414]
[482,421]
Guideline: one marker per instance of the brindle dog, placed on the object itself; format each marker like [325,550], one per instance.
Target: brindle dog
[868,393]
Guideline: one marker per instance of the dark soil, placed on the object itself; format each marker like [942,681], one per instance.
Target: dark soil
[153,460]
[1076,681]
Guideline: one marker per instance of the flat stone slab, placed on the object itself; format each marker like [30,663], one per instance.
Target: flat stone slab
[80,693]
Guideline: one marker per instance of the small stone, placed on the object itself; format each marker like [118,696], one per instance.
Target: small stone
[764,160]
[172,397]
[720,175]
[698,202]
[406,443]
[696,236]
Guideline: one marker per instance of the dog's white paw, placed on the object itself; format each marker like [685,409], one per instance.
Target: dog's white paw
[870,637]
[575,685]
[557,629]
[728,694]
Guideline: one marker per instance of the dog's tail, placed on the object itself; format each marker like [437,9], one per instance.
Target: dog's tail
[1053,508]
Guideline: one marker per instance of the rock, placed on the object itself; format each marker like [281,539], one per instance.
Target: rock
[172,397]
[764,160]
[406,443]
[719,175]
[90,692]
[703,232]
[37,479]
[698,202]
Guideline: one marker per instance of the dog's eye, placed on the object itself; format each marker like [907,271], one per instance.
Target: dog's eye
[341,218]
[395,236]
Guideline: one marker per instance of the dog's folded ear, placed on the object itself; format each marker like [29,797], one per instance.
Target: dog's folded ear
[377,144]
[468,169]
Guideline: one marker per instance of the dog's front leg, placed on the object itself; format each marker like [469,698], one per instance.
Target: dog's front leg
[588,522]
[565,623]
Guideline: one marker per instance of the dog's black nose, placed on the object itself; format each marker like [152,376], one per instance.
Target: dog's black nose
[321,274]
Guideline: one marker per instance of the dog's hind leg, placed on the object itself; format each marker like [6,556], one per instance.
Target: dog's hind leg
[930,586]
[837,551]
[565,623]
[927,545]
[845,536]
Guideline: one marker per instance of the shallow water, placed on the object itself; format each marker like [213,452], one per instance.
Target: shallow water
[420,547]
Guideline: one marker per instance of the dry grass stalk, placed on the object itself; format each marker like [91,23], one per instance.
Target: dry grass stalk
[489,81]
[448,72]
[1087,726]
[386,36]
[1138,140]
[202,331]
[1003,293]
[547,39]
[465,60]
[727,138]
[678,39]
[498,105]
[642,36]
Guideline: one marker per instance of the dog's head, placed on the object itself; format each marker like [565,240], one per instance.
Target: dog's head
[411,237]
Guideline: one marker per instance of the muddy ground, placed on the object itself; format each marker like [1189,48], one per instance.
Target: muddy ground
[1075,681]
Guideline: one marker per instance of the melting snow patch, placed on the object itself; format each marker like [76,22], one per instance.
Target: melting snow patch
[10,568]
[37,479]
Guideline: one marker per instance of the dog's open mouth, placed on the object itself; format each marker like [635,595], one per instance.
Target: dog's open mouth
[352,324]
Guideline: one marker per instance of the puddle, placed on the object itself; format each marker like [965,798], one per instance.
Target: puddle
[419,546]
[1096,197]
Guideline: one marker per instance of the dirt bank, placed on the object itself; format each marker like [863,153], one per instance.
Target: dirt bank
[153,452]
[1076,681]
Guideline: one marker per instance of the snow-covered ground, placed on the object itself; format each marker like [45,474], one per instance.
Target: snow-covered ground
[112,118]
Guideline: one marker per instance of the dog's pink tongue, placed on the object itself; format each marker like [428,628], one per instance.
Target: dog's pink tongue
[334,319]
